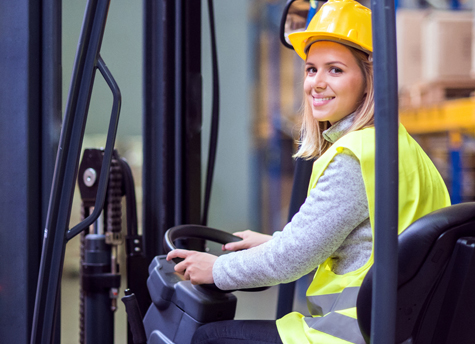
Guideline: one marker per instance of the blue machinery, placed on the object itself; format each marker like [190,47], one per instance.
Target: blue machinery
[184,38]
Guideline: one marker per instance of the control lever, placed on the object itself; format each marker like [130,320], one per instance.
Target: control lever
[134,317]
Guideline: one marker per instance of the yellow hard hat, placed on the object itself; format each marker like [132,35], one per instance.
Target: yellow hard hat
[343,21]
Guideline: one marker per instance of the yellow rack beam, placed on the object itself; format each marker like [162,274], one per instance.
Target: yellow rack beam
[447,116]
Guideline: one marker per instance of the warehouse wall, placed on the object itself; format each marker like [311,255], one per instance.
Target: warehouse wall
[231,188]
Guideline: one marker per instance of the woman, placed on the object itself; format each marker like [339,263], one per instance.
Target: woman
[333,229]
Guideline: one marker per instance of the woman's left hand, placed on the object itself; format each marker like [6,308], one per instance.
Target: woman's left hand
[197,266]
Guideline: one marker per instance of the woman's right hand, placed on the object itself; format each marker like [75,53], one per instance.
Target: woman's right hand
[249,239]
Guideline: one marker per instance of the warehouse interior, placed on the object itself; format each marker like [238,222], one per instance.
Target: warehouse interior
[260,105]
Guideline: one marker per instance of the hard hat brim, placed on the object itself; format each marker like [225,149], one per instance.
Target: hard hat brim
[302,40]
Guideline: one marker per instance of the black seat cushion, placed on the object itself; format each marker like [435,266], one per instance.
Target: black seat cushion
[444,226]
[417,240]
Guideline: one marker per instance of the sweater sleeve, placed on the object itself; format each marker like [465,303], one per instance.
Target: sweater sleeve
[336,206]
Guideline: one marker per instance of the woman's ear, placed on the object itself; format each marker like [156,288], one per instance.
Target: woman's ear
[366,88]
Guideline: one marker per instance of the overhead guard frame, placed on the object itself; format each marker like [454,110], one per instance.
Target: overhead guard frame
[56,233]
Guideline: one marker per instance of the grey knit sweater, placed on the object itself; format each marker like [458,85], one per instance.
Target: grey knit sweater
[333,222]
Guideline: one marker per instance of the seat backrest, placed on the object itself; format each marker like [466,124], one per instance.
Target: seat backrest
[434,278]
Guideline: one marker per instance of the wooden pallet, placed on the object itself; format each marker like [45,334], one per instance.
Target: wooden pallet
[426,94]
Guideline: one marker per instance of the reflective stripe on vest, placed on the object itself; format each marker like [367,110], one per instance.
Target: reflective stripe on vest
[319,305]
[331,297]
[337,325]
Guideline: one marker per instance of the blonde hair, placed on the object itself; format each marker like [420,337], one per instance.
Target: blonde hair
[312,143]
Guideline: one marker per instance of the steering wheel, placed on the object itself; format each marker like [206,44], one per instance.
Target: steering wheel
[196,232]
[205,233]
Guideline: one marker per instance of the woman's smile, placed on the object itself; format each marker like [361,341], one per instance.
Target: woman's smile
[334,83]
[320,101]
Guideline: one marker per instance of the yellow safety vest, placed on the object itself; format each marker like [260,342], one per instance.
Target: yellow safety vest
[332,298]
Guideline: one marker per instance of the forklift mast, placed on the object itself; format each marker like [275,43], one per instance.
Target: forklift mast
[172,119]
[172,141]
[172,146]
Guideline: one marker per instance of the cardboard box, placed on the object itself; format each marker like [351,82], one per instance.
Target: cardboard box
[447,46]
[409,46]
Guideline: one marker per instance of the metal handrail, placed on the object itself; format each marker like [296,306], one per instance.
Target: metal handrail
[103,180]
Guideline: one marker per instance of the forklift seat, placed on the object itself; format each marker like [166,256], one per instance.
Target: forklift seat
[436,280]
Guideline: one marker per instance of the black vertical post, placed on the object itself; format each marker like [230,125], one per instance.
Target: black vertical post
[191,98]
[51,107]
[30,101]
[99,317]
[302,173]
[383,321]
[158,126]
[51,87]
[172,118]
[179,118]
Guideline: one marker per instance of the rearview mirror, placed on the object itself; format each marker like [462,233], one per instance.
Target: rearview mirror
[297,13]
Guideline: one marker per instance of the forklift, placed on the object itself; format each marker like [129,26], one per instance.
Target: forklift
[172,120]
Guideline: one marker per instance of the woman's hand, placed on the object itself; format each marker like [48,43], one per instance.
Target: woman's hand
[249,239]
[197,266]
